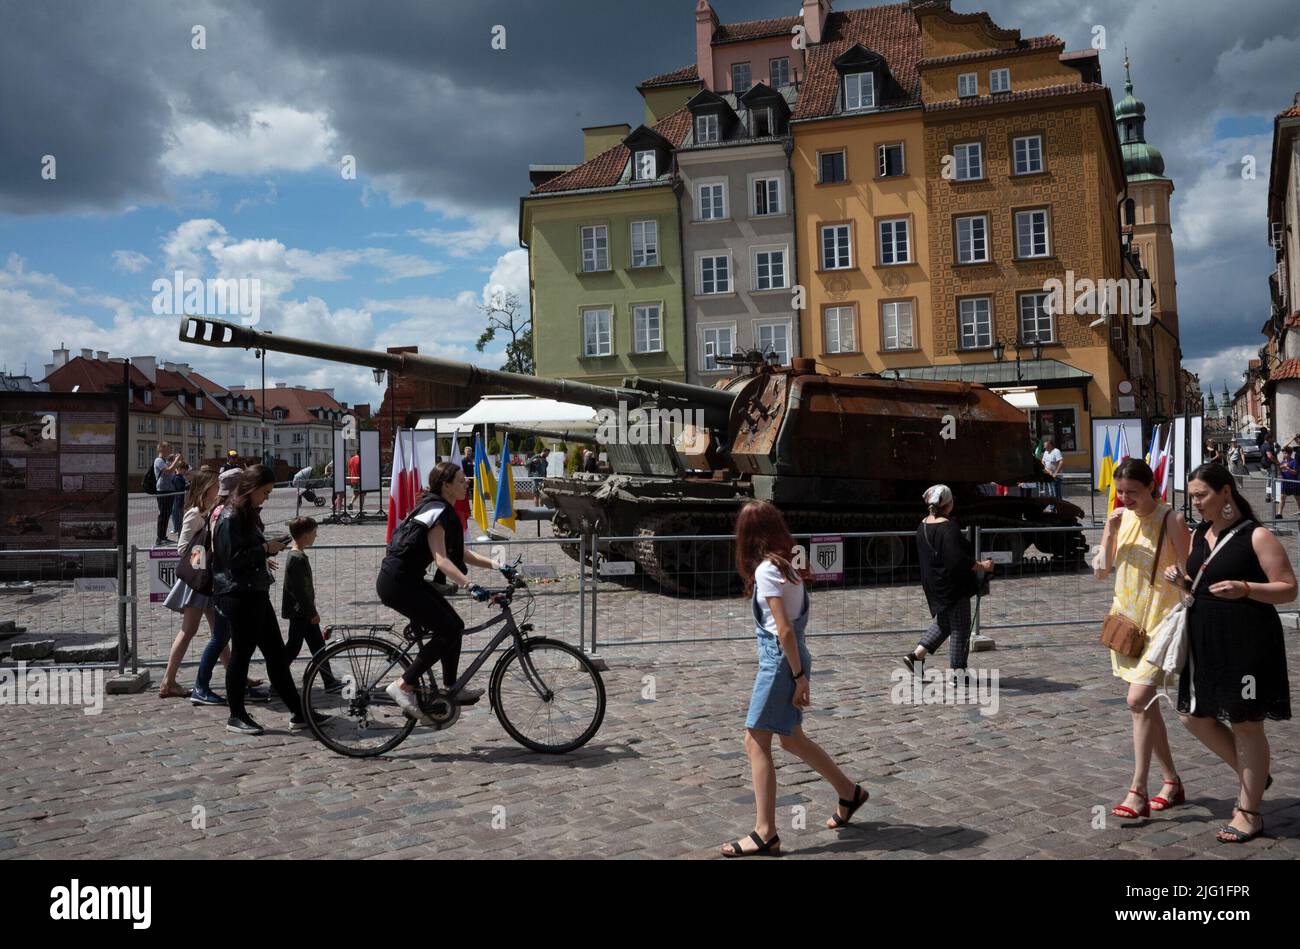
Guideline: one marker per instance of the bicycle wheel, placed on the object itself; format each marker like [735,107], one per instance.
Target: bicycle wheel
[364,720]
[565,721]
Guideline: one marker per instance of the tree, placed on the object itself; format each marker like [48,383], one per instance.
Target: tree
[504,312]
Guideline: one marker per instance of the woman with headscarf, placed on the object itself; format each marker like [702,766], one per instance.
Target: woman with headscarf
[950,576]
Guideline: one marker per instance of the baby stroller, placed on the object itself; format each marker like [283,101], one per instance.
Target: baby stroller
[309,495]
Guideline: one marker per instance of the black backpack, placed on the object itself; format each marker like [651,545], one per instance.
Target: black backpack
[150,481]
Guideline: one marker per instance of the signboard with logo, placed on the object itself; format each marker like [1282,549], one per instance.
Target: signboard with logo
[826,559]
[162,572]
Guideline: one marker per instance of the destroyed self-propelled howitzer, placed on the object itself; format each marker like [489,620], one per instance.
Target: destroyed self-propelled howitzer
[838,454]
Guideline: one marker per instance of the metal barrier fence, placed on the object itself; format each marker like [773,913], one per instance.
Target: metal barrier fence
[691,595]
[76,597]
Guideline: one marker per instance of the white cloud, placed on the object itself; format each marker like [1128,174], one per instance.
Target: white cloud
[1225,366]
[485,231]
[130,261]
[1219,207]
[183,247]
[271,138]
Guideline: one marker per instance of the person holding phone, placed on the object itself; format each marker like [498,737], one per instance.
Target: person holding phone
[241,581]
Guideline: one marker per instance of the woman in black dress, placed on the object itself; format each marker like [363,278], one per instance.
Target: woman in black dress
[1236,663]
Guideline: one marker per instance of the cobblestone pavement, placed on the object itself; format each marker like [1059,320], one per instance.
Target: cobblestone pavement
[665,777]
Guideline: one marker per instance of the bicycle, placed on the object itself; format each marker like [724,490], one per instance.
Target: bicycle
[546,694]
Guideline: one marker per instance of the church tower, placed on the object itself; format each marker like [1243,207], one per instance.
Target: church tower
[1147,220]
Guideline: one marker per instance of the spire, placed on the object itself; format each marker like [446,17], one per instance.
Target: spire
[1128,76]
[1140,159]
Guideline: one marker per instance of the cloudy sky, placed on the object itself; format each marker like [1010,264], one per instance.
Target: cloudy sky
[225,161]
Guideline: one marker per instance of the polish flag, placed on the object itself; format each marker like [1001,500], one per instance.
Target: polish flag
[401,500]
[1162,476]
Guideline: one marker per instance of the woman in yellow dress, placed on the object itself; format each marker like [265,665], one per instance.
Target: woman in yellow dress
[1129,544]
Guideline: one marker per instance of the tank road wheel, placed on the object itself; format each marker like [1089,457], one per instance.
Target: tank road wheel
[561,528]
[704,567]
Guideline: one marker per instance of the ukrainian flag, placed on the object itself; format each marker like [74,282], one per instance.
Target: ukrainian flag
[504,512]
[485,483]
[1107,467]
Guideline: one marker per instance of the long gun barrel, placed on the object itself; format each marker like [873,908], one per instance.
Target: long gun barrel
[222,334]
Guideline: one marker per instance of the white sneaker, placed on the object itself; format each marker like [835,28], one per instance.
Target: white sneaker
[406,702]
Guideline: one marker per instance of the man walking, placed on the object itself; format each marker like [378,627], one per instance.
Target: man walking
[1053,462]
[163,469]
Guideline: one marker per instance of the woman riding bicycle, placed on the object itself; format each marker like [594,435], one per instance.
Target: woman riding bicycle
[431,534]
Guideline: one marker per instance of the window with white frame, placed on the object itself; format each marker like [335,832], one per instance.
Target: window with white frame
[715,341]
[143,452]
[770,268]
[712,201]
[896,325]
[707,129]
[1027,152]
[597,335]
[779,72]
[595,248]
[895,247]
[832,167]
[714,274]
[1031,234]
[767,197]
[973,239]
[647,324]
[974,316]
[741,79]
[1036,318]
[839,323]
[859,91]
[890,159]
[968,84]
[968,161]
[773,338]
[645,165]
[645,243]
[1000,80]
[837,250]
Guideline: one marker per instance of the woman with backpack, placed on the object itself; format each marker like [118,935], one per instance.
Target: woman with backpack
[190,603]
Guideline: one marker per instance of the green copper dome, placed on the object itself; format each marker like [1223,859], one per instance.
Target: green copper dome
[1140,159]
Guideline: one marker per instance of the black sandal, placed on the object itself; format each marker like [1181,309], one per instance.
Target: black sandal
[764,849]
[860,797]
[1239,836]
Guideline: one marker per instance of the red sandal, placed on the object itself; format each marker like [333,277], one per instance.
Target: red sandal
[1123,810]
[1161,803]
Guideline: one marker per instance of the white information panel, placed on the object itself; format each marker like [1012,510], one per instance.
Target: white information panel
[340,463]
[369,450]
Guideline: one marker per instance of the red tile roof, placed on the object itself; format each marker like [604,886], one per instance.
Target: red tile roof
[297,402]
[970,102]
[91,375]
[1291,113]
[169,382]
[754,30]
[607,168]
[1032,45]
[1289,369]
[891,31]
[678,76]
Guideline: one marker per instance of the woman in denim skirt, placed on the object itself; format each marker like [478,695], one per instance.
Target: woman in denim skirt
[780,603]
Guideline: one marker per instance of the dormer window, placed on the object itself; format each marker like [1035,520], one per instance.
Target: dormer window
[968,84]
[859,91]
[760,123]
[864,78]
[708,129]
[644,165]
[148,397]
[768,113]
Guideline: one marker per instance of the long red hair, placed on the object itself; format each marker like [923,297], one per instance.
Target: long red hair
[762,534]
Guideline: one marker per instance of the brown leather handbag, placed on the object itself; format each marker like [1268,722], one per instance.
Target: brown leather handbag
[1120,633]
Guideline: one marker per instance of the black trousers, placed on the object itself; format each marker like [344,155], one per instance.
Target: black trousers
[303,630]
[253,626]
[164,515]
[420,603]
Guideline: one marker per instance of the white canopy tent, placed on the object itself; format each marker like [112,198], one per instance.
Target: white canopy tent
[528,412]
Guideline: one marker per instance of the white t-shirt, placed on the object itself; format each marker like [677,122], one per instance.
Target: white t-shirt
[768,581]
[1052,461]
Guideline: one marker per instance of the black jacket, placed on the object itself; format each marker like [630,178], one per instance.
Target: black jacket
[946,561]
[238,555]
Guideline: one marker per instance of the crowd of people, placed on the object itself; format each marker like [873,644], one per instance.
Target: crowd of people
[1228,575]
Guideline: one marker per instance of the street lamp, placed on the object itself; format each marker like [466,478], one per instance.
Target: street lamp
[261,355]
